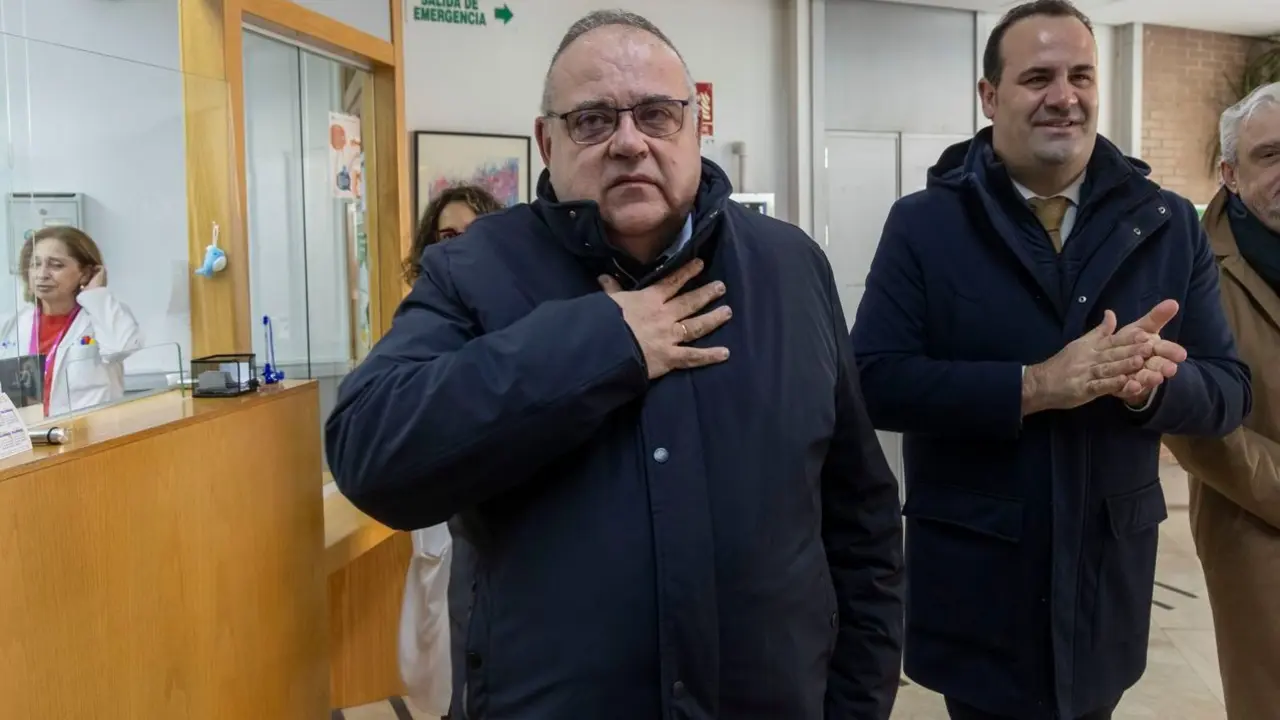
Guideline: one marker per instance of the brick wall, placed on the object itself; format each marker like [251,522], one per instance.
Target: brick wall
[1185,89]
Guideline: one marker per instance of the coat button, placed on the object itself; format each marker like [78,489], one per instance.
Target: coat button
[1163,210]
[677,688]
[1137,231]
[661,455]
[1082,299]
[573,214]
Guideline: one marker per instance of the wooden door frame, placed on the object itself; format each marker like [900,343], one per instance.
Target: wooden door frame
[211,41]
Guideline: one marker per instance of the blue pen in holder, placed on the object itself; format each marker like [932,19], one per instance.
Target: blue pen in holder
[270,373]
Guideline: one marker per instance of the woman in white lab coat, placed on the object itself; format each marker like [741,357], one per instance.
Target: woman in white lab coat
[72,319]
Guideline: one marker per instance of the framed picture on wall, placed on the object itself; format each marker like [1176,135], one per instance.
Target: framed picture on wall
[499,163]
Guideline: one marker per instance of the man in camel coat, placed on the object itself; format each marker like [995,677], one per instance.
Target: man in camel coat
[1235,480]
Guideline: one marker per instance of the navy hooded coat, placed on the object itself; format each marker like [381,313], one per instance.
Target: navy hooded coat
[719,543]
[1031,543]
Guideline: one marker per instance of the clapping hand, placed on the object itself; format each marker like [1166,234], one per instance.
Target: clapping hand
[1128,363]
[1161,364]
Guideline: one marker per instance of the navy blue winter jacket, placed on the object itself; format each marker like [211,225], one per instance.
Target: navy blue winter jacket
[1031,543]
[720,543]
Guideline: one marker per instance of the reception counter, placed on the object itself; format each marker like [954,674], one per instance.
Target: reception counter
[187,559]
[168,563]
[366,562]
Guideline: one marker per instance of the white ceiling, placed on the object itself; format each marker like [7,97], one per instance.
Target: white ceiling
[1240,17]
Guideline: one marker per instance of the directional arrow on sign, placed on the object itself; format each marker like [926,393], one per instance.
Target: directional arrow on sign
[503,13]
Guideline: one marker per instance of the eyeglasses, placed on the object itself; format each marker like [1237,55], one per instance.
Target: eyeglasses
[594,125]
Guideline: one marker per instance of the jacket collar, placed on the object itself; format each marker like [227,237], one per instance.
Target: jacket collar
[1070,192]
[1218,226]
[577,223]
[1222,240]
[973,163]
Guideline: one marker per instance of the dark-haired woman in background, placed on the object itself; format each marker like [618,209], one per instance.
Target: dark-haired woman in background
[447,216]
[425,664]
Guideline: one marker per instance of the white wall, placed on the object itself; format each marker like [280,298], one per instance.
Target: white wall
[144,31]
[1125,98]
[489,79]
[371,16]
[92,103]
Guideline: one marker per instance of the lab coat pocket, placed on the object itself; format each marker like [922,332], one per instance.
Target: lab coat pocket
[77,369]
[81,356]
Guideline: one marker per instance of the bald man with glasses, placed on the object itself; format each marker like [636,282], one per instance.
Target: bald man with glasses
[636,403]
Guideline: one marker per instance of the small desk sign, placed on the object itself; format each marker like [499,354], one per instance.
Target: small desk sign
[14,439]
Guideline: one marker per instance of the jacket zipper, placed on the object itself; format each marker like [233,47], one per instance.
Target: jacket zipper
[699,233]
[625,274]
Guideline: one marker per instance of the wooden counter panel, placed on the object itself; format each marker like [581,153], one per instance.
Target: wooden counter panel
[176,574]
[348,533]
[364,624]
[367,562]
[134,420]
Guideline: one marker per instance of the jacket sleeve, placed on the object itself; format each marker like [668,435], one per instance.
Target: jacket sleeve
[115,329]
[442,415]
[1244,466]
[1211,393]
[906,390]
[862,534]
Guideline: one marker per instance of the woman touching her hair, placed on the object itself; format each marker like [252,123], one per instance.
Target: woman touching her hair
[72,320]
[446,217]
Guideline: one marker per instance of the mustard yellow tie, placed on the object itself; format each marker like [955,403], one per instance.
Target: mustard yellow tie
[1050,211]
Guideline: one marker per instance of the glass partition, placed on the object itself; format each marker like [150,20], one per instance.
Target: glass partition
[309,274]
[94,208]
[93,376]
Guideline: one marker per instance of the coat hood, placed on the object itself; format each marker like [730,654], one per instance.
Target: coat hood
[578,223]
[974,162]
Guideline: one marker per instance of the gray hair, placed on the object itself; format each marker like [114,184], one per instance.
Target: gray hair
[605,18]
[1236,115]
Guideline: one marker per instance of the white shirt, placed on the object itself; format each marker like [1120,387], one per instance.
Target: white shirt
[1070,192]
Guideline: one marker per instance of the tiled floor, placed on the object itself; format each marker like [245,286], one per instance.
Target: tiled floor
[1182,680]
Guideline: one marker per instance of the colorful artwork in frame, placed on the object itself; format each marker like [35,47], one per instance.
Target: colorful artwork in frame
[499,163]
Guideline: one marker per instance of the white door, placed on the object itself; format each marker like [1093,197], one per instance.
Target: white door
[919,153]
[862,185]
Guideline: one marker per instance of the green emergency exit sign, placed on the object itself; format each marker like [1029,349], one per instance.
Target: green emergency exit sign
[460,12]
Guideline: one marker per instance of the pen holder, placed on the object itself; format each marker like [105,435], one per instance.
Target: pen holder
[224,375]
